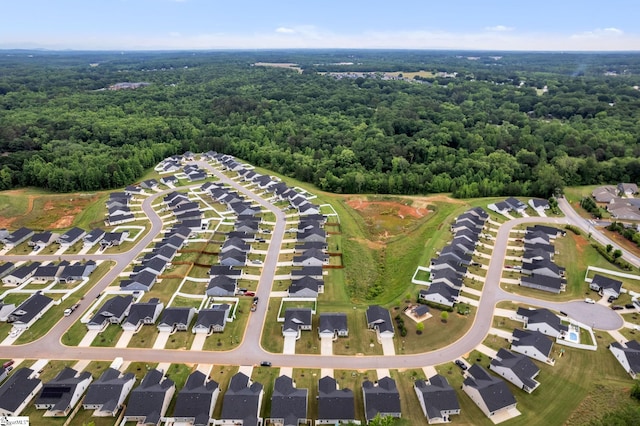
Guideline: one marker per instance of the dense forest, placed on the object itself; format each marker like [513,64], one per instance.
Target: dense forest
[511,124]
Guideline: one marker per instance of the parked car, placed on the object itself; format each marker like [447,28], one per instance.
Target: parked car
[255,300]
[8,363]
[265,364]
[629,306]
[253,308]
[249,293]
[611,299]
[461,364]
[67,312]
[589,300]
[617,307]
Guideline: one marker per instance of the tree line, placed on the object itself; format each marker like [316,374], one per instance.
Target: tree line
[491,131]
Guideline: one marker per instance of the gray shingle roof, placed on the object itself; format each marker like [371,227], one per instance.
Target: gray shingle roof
[520,364]
[241,400]
[382,397]
[334,403]
[288,402]
[194,400]
[147,399]
[17,389]
[438,396]
[494,391]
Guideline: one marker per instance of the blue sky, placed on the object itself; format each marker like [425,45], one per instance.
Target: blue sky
[264,24]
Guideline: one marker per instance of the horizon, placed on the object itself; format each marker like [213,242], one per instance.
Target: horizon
[190,25]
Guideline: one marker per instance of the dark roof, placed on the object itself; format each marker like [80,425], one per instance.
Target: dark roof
[147,399]
[532,338]
[494,392]
[331,321]
[17,389]
[25,270]
[382,397]
[94,235]
[223,282]
[519,364]
[241,400]
[549,230]
[288,402]
[552,283]
[294,318]
[379,317]
[5,268]
[209,317]
[542,315]
[142,310]
[194,400]
[116,306]
[438,396]
[306,270]
[224,270]
[106,389]
[72,234]
[143,280]
[30,308]
[18,235]
[60,390]
[632,353]
[176,315]
[334,403]
[607,283]
[515,203]
[443,290]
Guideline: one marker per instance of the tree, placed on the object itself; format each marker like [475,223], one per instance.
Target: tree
[609,248]
[378,420]
[419,328]
[617,254]
[444,316]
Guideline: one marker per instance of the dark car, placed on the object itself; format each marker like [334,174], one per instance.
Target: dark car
[611,299]
[461,364]
[255,299]
[265,364]
[617,307]
[629,306]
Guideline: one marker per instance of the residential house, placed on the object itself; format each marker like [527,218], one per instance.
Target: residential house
[307,271]
[315,234]
[309,209]
[60,395]
[18,391]
[296,320]
[196,400]
[227,271]
[142,313]
[381,398]
[516,204]
[20,275]
[112,312]
[306,287]
[44,273]
[605,286]
[17,237]
[222,286]
[311,257]
[5,310]
[288,403]
[142,281]
[628,355]
[447,276]
[536,237]
[94,236]
[133,190]
[627,189]
[447,262]
[604,194]
[333,324]
[6,268]
[437,399]
[551,231]
[169,180]
[533,344]
[335,405]
[29,311]
[539,205]
[3,374]
[516,368]
[500,207]
[149,184]
[542,320]
[107,394]
[77,271]
[149,401]
[419,311]
[542,268]
[71,237]
[490,394]
[242,402]
[544,283]
[42,239]
[233,257]
[176,319]
[212,320]
[440,293]
[113,239]
[379,319]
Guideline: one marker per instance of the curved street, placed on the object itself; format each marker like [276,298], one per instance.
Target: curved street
[250,352]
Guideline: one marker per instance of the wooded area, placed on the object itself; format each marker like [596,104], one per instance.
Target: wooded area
[492,130]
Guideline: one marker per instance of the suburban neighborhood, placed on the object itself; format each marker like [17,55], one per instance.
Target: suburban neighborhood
[205,297]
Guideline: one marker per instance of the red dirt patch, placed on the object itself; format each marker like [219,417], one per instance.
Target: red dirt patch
[580,242]
[6,222]
[396,208]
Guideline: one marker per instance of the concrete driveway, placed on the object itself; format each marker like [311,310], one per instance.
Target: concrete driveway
[289,345]
[388,349]
[326,346]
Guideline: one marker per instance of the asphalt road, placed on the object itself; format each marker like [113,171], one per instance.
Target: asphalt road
[250,352]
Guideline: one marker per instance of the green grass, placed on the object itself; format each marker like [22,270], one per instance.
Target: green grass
[233,331]
[405,379]
[144,338]
[222,375]
[307,378]
[186,302]
[109,337]
[352,379]
[180,340]
[139,369]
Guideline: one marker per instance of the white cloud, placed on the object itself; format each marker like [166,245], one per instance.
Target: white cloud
[499,28]
[285,30]
[599,33]
[175,34]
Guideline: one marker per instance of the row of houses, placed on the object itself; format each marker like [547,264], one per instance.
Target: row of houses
[132,316]
[538,268]
[144,275]
[41,239]
[148,402]
[118,206]
[619,200]
[449,268]
[64,272]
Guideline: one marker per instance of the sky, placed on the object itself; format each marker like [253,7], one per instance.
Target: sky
[559,25]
